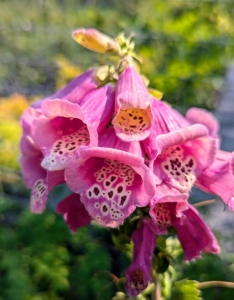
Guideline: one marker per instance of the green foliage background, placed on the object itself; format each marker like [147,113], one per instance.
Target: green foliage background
[186,47]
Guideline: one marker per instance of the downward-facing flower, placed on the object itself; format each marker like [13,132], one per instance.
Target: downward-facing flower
[65,126]
[35,177]
[219,178]
[183,155]
[194,235]
[138,273]
[75,90]
[133,117]
[74,212]
[111,179]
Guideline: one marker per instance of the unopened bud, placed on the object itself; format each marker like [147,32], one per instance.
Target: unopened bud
[94,40]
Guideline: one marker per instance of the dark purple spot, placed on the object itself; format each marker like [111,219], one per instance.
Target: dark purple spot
[171,173]
[72,148]
[107,183]
[90,194]
[123,199]
[112,178]
[110,194]
[120,189]
[190,163]
[178,148]
[130,115]
[178,173]
[104,208]
[60,152]
[96,191]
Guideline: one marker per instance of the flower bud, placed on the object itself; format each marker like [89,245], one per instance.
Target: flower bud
[94,40]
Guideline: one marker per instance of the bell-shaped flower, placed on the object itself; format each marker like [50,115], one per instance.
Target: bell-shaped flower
[74,212]
[133,116]
[182,156]
[167,119]
[194,235]
[138,273]
[75,90]
[111,179]
[65,126]
[219,178]
[35,177]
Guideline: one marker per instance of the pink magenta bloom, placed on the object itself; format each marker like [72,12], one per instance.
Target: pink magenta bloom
[74,212]
[133,115]
[65,126]
[219,178]
[38,179]
[183,155]
[138,273]
[111,179]
[194,235]
[75,90]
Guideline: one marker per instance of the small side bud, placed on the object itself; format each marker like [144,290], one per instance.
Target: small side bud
[94,40]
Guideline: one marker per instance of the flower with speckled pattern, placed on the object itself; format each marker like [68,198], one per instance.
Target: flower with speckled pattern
[194,235]
[69,125]
[111,179]
[133,116]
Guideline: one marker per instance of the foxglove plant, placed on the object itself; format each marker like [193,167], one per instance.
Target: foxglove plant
[129,159]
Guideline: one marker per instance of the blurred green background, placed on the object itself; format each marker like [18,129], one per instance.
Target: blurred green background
[186,47]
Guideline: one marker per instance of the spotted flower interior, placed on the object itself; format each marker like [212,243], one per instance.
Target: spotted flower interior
[68,136]
[110,192]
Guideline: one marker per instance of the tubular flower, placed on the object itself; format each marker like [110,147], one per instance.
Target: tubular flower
[75,90]
[138,273]
[69,125]
[183,155]
[133,115]
[74,212]
[194,235]
[110,179]
[35,177]
[219,178]
[94,40]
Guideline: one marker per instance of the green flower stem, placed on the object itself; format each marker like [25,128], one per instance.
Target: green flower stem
[208,284]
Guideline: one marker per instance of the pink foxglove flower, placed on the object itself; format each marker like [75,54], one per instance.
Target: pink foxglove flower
[111,179]
[138,273]
[75,90]
[35,177]
[219,178]
[74,212]
[133,116]
[183,155]
[194,235]
[65,126]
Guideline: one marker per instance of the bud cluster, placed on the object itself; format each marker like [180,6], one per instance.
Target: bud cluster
[120,150]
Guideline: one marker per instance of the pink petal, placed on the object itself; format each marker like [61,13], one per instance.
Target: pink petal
[75,214]
[194,235]
[201,116]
